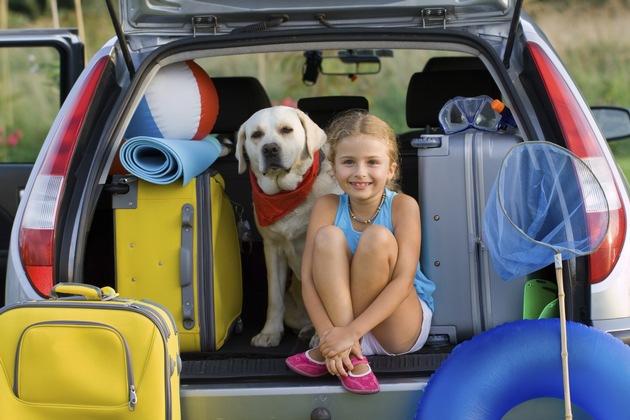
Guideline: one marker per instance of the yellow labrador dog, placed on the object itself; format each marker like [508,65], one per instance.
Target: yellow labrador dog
[288,173]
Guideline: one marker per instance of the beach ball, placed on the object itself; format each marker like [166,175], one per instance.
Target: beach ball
[181,103]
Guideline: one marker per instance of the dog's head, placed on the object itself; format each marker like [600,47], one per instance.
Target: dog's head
[280,142]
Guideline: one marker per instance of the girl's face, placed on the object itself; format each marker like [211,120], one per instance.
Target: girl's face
[362,165]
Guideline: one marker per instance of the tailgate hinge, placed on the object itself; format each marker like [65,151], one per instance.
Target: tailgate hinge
[432,16]
[124,190]
[205,25]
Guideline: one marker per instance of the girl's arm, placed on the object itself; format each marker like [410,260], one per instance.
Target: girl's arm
[406,223]
[408,233]
[323,214]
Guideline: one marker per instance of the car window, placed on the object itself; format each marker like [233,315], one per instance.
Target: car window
[29,100]
[277,73]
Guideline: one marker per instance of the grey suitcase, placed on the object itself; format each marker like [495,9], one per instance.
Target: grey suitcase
[470,297]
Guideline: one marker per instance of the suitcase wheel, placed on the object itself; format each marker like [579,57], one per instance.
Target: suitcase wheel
[238,327]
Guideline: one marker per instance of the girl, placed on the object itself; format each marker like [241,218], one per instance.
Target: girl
[361,278]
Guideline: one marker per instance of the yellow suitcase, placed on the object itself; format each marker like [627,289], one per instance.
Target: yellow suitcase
[88,356]
[178,246]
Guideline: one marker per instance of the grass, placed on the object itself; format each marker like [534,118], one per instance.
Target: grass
[593,40]
[591,36]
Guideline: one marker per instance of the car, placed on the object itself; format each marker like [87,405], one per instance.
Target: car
[53,59]
[405,60]
[613,120]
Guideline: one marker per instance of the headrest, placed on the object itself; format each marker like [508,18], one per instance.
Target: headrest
[180,103]
[428,91]
[453,63]
[239,98]
[322,109]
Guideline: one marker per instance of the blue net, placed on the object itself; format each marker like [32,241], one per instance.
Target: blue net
[545,201]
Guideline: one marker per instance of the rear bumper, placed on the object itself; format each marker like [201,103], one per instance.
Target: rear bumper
[619,328]
[398,399]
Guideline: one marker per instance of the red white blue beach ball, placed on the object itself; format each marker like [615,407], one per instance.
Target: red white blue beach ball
[180,103]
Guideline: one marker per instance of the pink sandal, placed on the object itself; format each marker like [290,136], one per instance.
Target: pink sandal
[305,365]
[365,383]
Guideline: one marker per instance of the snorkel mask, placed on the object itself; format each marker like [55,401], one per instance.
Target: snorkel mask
[460,113]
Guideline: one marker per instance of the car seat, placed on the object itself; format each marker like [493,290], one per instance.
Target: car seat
[442,78]
[428,91]
[239,98]
[323,109]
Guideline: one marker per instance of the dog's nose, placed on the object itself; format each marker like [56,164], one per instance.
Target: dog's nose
[270,149]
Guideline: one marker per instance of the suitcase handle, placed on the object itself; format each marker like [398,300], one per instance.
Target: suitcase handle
[427,142]
[186,266]
[86,291]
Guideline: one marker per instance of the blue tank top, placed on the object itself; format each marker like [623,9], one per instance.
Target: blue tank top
[424,287]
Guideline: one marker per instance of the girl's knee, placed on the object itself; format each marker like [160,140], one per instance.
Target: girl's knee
[329,237]
[377,237]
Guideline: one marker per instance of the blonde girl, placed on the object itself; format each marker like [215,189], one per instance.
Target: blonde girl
[361,278]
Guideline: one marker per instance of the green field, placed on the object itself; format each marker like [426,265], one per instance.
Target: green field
[593,39]
[591,36]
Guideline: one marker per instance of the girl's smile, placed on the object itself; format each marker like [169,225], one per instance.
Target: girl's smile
[362,165]
[360,185]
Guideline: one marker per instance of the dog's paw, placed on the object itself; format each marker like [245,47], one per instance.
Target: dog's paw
[314,341]
[306,333]
[266,340]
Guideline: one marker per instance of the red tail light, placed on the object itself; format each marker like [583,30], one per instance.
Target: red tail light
[582,140]
[37,228]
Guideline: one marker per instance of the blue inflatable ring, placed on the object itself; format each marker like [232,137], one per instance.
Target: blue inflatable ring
[487,376]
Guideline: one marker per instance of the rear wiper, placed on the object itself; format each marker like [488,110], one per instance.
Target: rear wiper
[274,21]
[121,40]
[512,35]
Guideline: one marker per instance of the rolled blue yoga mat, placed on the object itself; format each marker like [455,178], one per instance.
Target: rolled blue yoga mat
[163,161]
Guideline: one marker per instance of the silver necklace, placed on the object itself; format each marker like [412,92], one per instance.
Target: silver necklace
[371,219]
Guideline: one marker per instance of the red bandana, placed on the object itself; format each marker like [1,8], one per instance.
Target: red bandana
[271,208]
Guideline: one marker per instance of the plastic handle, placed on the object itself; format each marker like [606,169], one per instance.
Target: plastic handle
[86,291]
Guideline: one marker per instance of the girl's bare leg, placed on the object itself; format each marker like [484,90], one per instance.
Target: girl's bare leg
[331,276]
[347,285]
[371,270]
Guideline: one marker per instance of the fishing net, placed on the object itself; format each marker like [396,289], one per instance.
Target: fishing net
[545,201]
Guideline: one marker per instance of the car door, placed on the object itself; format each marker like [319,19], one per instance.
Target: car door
[37,70]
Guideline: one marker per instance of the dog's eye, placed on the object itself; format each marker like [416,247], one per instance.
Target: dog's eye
[257,134]
[286,130]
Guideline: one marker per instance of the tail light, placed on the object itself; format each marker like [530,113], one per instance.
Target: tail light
[582,140]
[37,227]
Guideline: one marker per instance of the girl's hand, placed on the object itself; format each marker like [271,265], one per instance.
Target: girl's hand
[335,341]
[356,350]
[341,364]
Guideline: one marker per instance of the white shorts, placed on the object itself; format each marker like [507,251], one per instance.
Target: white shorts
[370,345]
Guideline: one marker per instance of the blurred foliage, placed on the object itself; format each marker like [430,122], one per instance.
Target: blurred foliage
[36,8]
[37,14]
[564,3]
[28,104]
[592,37]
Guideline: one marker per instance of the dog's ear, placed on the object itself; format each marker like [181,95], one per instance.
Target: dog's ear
[315,136]
[240,156]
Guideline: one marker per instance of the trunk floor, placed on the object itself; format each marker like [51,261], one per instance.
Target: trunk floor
[238,359]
